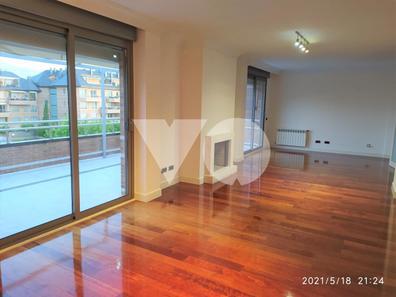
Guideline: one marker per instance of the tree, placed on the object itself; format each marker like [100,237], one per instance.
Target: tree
[46,111]
[44,132]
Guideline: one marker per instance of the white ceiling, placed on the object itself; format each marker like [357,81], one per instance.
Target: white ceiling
[340,31]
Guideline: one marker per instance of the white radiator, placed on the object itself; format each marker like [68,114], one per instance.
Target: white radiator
[292,137]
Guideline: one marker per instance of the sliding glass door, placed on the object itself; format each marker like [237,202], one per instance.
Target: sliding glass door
[254,113]
[64,118]
[393,157]
[100,73]
[35,171]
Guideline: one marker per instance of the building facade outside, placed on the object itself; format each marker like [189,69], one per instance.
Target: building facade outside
[45,96]
[18,98]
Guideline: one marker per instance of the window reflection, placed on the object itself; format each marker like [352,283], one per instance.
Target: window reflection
[78,262]
[40,267]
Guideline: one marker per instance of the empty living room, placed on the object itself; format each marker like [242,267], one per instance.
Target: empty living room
[197,148]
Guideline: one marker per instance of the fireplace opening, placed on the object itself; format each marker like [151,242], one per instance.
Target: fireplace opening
[221,152]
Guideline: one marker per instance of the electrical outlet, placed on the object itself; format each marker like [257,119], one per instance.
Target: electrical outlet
[369,145]
[318,141]
[327,142]
[163,170]
[171,167]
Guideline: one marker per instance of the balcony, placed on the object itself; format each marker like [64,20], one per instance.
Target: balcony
[113,99]
[93,99]
[21,101]
[52,130]
[112,82]
[4,114]
[35,164]
[113,110]
[55,179]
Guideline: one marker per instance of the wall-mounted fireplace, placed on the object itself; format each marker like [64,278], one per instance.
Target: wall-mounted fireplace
[221,154]
[219,157]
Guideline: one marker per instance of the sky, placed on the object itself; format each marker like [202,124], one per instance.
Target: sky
[29,66]
[25,68]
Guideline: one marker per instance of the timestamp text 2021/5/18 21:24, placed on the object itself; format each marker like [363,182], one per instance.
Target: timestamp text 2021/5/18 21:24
[342,280]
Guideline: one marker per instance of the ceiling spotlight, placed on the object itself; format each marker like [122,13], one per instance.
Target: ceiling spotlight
[301,43]
[297,43]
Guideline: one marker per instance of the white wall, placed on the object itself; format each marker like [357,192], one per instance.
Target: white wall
[218,90]
[218,95]
[208,93]
[174,80]
[349,107]
[191,76]
[156,96]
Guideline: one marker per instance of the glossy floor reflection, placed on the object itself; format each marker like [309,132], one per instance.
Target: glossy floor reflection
[333,216]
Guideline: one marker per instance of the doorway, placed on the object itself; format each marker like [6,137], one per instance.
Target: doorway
[256,92]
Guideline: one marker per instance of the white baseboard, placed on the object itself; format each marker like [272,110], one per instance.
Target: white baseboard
[330,151]
[191,180]
[147,197]
[165,184]
[392,164]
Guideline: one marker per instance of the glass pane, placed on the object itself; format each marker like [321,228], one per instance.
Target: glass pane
[249,107]
[259,114]
[394,149]
[35,181]
[101,109]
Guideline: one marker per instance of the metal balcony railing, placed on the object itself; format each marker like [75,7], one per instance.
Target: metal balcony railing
[22,98]
[34,131]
